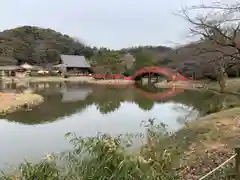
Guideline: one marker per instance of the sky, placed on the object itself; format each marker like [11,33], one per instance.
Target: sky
[103,23]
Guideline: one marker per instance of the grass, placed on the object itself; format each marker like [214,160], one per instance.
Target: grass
[11,102]
[232,85]
[207,142]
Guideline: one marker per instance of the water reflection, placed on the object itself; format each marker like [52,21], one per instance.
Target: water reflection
[64,99]
[75,94]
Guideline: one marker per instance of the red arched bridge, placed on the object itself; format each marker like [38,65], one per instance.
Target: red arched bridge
[146,71]
[162,71]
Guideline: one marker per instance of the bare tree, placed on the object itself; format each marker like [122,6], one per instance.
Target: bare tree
[218,30]
[128,60]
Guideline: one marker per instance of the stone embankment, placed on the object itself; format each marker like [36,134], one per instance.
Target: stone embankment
[11,102]
[80,79]
[180,84]
[112,82]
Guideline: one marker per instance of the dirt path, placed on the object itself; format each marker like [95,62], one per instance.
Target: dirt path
[209,141]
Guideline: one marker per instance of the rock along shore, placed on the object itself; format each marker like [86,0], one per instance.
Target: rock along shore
[112,82]
[11,102]
[180,84]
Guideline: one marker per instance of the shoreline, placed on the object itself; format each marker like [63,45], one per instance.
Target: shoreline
[210,139]
[112,82]
[231,88]
[181,84]
[81,79]
[12,102]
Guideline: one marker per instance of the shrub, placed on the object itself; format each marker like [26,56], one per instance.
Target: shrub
[127,74]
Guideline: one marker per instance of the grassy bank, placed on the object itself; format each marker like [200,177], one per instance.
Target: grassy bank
[11,102]
[207,142]
[180,84]
[233,84]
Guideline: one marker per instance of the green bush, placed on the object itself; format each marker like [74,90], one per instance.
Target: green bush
[128,73]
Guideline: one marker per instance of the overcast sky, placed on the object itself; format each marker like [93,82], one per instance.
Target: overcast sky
[110,23]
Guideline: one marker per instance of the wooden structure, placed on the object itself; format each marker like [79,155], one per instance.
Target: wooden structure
[26,66]
[9,70]
[108,76]
[74,65]
[160,71]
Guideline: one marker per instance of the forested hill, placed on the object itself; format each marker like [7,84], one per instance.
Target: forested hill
[43,46]
[38,46]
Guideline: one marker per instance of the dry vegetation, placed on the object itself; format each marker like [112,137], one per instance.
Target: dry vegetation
[10,102]
[215,137]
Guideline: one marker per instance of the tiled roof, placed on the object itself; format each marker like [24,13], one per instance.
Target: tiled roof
[74,61]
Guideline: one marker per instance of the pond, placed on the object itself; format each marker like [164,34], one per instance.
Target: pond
[87,110]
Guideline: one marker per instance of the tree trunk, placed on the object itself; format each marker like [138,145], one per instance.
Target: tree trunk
[222,84]
[237,72]
[222,76]
[149,78]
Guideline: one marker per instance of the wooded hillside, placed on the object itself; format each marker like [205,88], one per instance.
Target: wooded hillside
[43,47]
[37,46]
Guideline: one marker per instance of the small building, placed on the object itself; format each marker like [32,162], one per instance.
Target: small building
[74,65]
[9,70]
[28,67]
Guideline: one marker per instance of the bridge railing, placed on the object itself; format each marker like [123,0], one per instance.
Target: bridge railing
[158,70]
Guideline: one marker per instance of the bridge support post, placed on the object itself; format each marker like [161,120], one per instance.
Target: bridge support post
[149,78]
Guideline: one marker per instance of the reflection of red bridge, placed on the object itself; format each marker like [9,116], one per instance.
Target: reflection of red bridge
[151,95]
[160,95]
[164,71]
